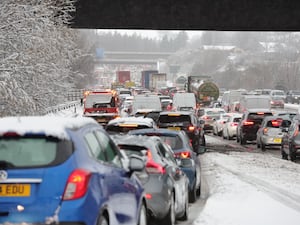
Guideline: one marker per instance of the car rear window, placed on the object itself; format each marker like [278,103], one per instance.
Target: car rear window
[174,142]
[33,152]
[174,119]
[124,129]
[258,116]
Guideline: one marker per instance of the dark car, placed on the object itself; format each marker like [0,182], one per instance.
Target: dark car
[166,185]
[179,143]
[293,96]
[250,123]
[290,148]
[186,121]
[61,170]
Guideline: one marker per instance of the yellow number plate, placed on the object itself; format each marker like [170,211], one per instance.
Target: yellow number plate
[277,140]
[14,190]
[174,128]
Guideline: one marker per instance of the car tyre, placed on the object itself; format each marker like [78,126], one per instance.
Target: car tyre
[143,220]
[283,154]
[243,141]
[170,217]
[103,221]
[193,194]
[263,147]
[198,191]
[185,216]
[292,154]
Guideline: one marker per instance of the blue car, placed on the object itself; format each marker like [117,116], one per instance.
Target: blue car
[183,150]
[66,171]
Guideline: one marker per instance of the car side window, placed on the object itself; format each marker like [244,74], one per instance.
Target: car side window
[94,146]
[112,154]
[166,152]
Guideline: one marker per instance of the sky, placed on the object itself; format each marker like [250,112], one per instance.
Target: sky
[153,34]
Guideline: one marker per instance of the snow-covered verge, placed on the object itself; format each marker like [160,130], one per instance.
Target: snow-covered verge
[250,189]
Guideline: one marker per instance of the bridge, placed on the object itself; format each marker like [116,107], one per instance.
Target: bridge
[133,58]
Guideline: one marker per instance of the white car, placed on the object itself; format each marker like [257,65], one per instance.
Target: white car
[209,115]
[230,126]
[219,123]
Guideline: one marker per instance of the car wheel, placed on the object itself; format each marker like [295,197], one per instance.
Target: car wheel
[292,154]
[220,133]
[170,217]
[193,194]
[143,216]
[185,216]
[102,221]
[283,154]
[237,138]
[198,191]
[243,141]
[263,147]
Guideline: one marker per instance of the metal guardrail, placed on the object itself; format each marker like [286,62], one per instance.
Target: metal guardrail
[61,107]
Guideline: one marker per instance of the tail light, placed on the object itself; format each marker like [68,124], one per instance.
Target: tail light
[247,123]
[206,117]
[183,155]
[296,132]
[77,184]
[152,166]
[191,128]
[265,130]
[233,124]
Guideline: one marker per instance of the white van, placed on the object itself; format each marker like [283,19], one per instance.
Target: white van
[184,101]
[146,103]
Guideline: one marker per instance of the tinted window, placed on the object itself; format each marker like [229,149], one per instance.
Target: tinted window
[174,142]
[123,129]
[174,119]
[33,151]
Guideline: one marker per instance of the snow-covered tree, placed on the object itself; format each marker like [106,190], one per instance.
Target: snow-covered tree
[36,53]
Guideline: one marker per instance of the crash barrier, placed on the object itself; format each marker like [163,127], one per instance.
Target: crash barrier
[292,107]
[66,106]
[74,95]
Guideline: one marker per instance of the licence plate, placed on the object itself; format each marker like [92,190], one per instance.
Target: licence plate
[174,128]
[277,140]
[101,120]
[14,190]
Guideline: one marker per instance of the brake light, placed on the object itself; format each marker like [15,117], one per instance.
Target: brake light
[206,117]
[184,155]
[77,184]
[153,167]
[247,123]
[265,130]
[296,132]
[233,124]
[275,123]
[191,128]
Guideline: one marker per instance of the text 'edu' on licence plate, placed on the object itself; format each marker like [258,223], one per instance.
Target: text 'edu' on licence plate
[14,190]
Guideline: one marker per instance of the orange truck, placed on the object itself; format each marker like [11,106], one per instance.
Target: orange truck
[102,105]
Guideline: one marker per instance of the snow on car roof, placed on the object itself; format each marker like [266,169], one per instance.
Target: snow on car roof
[49,125]
[136,120]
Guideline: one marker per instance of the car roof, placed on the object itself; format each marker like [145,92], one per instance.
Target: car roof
[258,110]
[135,140]
[177,112]
[155,131]
[46,125]
[136,120]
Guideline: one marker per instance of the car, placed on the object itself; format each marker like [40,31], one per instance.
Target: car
[230,126]
[180,145]
[124,124]
[270,132]
[66,170]
[250,123]
[218,124]
[166,185]
[276,102]
[209,115]
[290,147]
[186,121]
[293,96]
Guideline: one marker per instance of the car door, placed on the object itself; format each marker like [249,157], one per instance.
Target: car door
[178,176]
[118,189]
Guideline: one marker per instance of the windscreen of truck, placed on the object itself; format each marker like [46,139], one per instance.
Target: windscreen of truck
[99,101]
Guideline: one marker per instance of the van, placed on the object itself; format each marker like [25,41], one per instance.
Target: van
[146,103]
[254,101]
[184,101]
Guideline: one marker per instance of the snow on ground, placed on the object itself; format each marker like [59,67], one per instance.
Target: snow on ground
[250,189]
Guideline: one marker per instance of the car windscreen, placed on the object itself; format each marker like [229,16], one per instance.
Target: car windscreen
[20,152]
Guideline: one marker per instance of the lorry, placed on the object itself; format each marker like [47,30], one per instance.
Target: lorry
[157,81]
[122,76]
[205,90]
[145,77]
[101,105]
